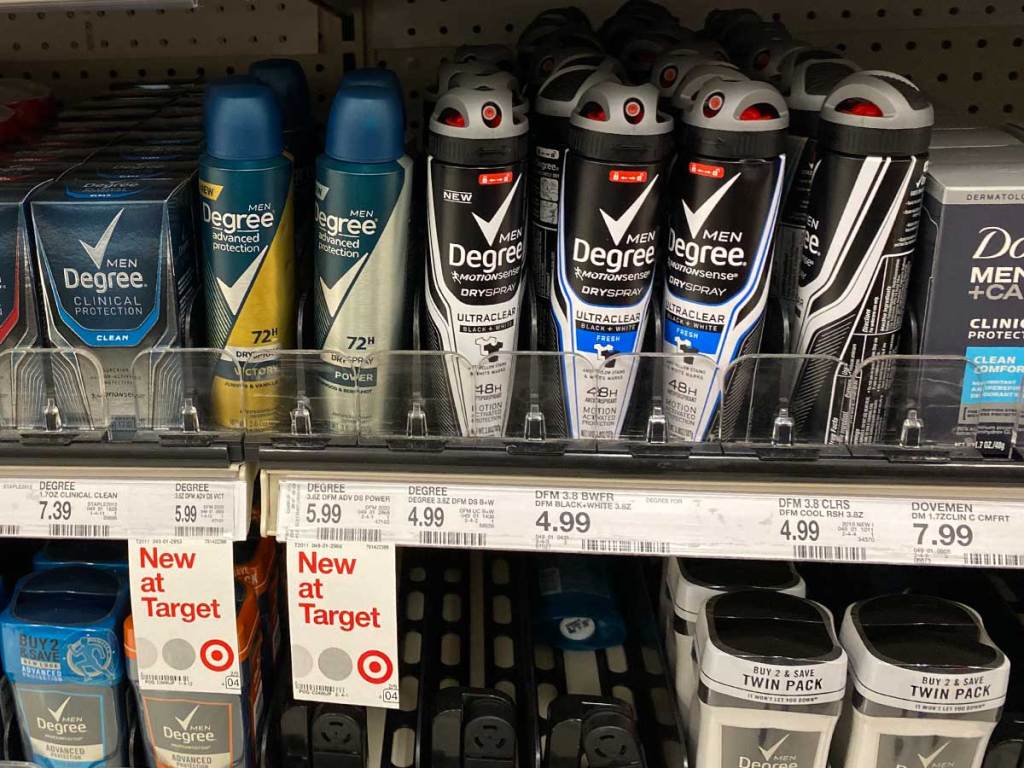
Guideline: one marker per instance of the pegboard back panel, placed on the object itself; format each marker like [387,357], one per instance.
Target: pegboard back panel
[966,55]
[80,53]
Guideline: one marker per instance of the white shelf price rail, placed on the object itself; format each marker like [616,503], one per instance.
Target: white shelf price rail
[802,521]
[107,503]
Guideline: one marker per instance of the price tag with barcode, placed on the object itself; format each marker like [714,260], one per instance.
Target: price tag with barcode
[343,619]
[101,508]
[184,630]
[841,528]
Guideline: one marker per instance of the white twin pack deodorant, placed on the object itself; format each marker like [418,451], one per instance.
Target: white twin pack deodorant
[772,680]
[927,685]
[689,582]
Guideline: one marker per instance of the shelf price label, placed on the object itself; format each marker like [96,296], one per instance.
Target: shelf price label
[95,508]
[343,619]
[183,614]
[566,518]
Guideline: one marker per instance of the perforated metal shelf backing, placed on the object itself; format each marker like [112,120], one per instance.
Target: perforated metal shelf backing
[80,53]
[966,54]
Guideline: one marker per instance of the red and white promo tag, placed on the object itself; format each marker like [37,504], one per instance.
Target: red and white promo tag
[183,610]
[343,618]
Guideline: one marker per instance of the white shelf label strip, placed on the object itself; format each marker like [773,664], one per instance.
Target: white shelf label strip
[871,529]
[111,508]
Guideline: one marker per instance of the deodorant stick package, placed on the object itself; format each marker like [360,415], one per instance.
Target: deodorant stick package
[689,582]
[772,679]
[926,685]
[62,654]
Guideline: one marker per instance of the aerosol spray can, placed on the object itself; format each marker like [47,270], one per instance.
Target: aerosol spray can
[245,186]
[726,193]
[862,225]
[476,235]
[549,138]
[363,297]
[806,83]
[609,222]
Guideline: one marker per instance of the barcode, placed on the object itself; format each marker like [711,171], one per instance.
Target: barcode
[79,531]
[997,560]
[370,535]
[165,679]
[453,538]
[10,530]
[627,547]
[198,531]
[830,553]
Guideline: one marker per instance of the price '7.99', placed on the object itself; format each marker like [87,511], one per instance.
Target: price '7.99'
[946,535]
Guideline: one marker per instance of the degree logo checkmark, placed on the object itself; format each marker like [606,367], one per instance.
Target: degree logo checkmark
[617,227]
[695,219]
[333,294]
[186,721]
[235,293]
[58,713]
[929,759]
[98,251]
[769,752]
[489,228]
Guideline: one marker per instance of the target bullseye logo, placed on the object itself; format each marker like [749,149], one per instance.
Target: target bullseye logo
[375,667]
[216,655]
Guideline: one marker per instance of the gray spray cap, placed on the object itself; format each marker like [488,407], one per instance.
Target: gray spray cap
[807,85]
[450,69]
[494,53]
[797,56]
[550,61]
[672,68]
[478,114]
[496,80]
[874,112]
[764,62]
[736,119]
[691,85]
[559,95]
[617,122]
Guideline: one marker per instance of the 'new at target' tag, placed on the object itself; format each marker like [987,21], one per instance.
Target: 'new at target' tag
[344,630]
[183,611]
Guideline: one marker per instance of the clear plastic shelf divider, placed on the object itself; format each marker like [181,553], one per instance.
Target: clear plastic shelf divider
[652,401]
[414,398]
[521,401]
[58,393]
[305,395]
[781,402]
[913,403]
[188,392]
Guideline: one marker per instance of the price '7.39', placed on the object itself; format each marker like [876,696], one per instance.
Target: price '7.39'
[54,510]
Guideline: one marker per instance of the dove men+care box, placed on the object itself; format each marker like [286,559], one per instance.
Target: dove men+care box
[118,271]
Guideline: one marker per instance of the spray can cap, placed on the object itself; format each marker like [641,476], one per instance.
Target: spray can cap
[366,125]
[621,122]
[807,85]
[242,121]
[876,113]
[673,67]
[697,77]
[287,80]
[478,125]
[736,119]
[560,94]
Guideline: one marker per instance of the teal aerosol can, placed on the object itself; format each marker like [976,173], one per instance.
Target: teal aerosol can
[362,287]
